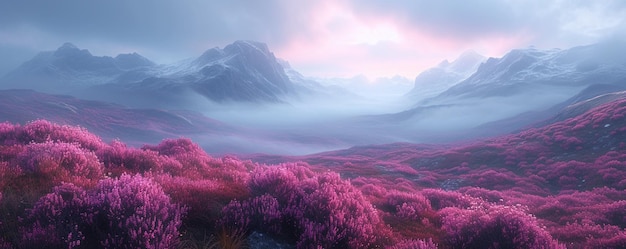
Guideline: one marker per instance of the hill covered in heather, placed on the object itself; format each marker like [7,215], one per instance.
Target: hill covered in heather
[559,186]
[562,173]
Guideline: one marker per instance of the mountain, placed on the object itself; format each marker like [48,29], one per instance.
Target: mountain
[244,71]
[523,70]
[523,87]
[436,80]
[70,68]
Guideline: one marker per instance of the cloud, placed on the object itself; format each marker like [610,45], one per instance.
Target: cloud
[457,19]
[340,37]
[537,22]
[158,25]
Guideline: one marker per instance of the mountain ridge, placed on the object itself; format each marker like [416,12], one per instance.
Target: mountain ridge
[244,71]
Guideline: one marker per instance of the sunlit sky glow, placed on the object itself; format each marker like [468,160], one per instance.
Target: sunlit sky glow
[323,38]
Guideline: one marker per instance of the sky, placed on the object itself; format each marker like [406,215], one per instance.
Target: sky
[320,38]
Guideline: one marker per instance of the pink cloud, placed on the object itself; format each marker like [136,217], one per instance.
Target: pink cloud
[343,43]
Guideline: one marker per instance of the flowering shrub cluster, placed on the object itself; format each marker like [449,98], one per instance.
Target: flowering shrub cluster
[409,206]
[494,226]
[317,210]
[59,159]
[570,174]
[129,212]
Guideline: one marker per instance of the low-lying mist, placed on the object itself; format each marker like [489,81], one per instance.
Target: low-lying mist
[316,124]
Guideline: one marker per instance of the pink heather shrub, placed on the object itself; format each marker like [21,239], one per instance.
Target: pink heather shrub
[409,206]
[615,213]
[586,234]
[184,151]
[60,219]
[7,173]
[414,244]
[492,227]
[8,134]
[60,159]
[178,148]
[317,210]
[204,197]
[440,199]
[117,157]
[42,131]
[619,241]
[261,212]
[129,212]
[134,212]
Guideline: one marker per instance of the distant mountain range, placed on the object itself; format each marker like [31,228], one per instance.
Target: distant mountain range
[70,68]
[243,71]
[467,98]
[524,87]
[436,80]
[524,70]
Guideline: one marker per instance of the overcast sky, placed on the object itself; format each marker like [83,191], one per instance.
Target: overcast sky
[322,38]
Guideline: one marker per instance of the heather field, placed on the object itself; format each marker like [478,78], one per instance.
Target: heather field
[559,186]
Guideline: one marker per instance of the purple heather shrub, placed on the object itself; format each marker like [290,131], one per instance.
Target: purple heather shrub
[440,199]
[494,226]
[183,150]
[8,134]
[136,160]
[177,147]
[279,181]
[8,172]
[39,235]
[263,211]
[410,206]
[129,212]
[136,213]
[42,131]
[318,210]
[414,244]
[618,241]
[586,233]
[203,197]
[66,160]
[60,219]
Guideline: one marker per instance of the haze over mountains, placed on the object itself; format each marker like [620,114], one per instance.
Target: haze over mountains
[245,85]
[516,87]
[244,71]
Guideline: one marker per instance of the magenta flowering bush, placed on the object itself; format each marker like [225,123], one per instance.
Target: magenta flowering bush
[316,210]
[40,131]
[134,212]
[129,212]
[492,227]
[8,134]
[409,206]
[61,159]
[118,157]
[61,219]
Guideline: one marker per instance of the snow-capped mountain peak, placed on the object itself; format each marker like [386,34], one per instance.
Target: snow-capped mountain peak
[445,75]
